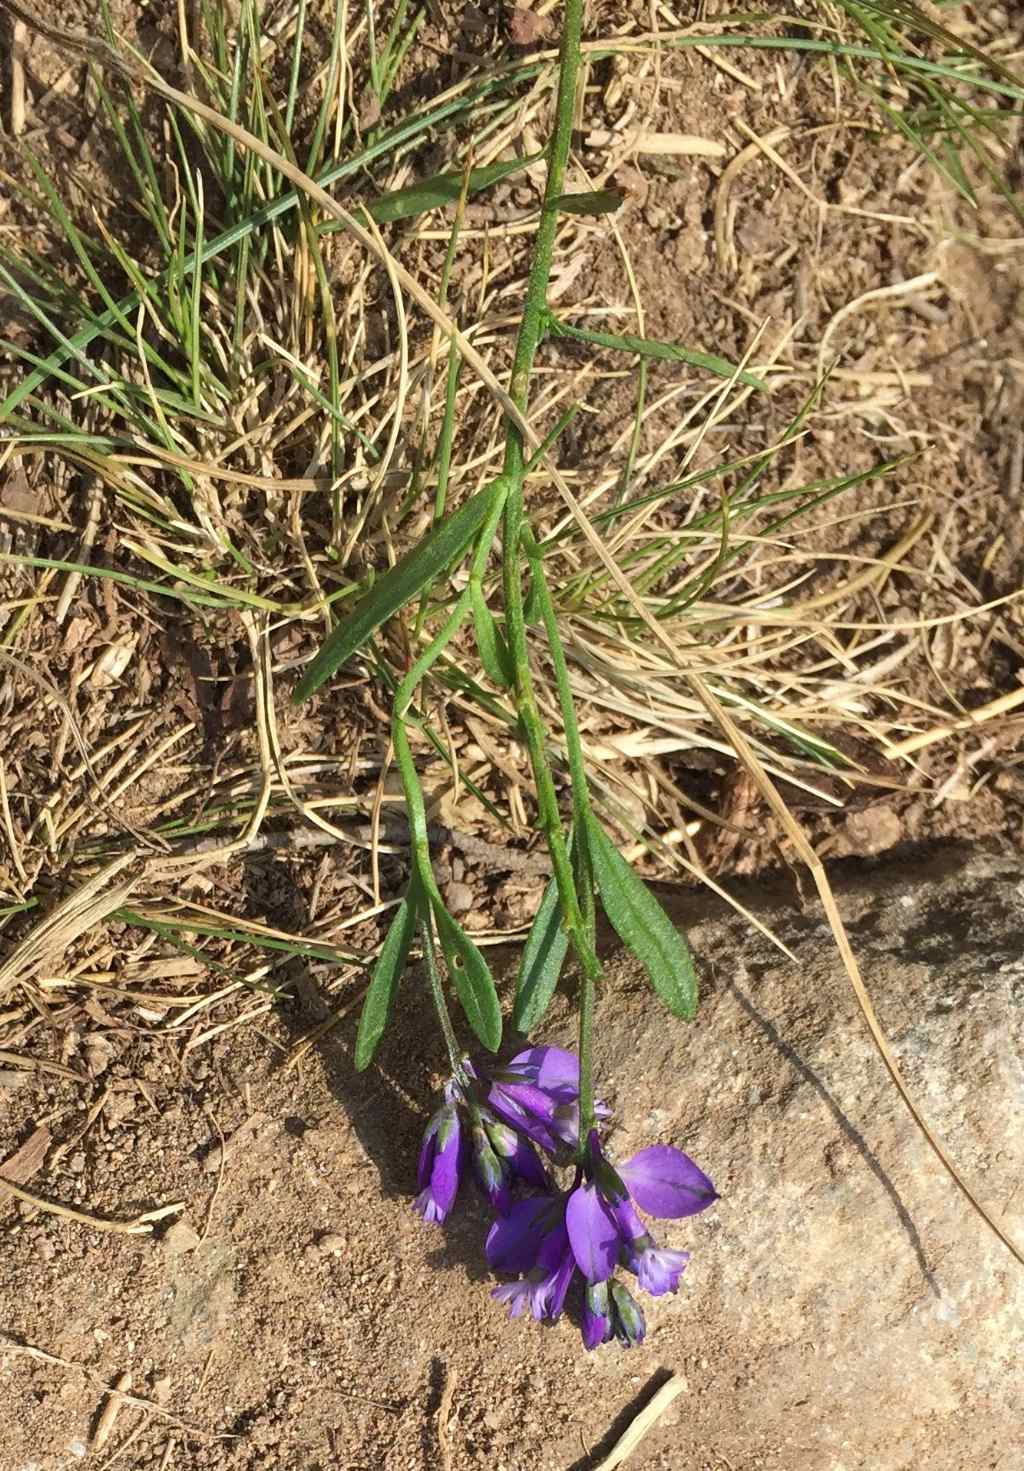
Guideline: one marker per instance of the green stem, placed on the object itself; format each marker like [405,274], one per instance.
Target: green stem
[415,805]
[582,817]
[440,1003]
[530,332]
[531,328]
[579,924]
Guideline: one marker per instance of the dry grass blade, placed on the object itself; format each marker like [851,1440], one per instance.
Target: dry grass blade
[88,905]
[140,1225]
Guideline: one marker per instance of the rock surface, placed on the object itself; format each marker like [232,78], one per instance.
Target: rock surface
[847,1308]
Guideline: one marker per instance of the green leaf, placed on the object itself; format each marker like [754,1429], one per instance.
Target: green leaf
[646,347]
[472,977]
[387,973]
[442,189]
[596,202]
[399,585]
[494,653]
[642,925]
[543,957]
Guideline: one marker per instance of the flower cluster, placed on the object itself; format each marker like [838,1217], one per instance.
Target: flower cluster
[544,1236]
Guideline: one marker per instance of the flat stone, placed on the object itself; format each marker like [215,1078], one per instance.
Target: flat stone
[849,1308]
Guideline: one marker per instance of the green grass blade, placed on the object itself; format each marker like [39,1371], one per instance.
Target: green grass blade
[442,189]
[665,351]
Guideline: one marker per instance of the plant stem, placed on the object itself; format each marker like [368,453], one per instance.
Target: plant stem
[532,325]
[530,332]
[440,1003]
[582,818]
[580,925]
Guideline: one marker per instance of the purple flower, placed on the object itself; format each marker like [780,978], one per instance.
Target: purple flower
[657,1269]
[538,1093]
[611,1311]
[598,1323]
[532,1239]
[603,1227]
[500,1157]
[440,1166]
[593,1228]
[461,1129]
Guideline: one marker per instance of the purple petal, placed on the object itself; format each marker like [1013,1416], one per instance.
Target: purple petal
[447,1165]
[514,1241]
[426,1160]
[631,1228]
[665,1182]
[552,1069]
[429,1146]
[526,1164]
[527,1109]
[426,1206]
[549,1293]
[553,1249]
[658,1268]
[593,1233]
[516,1294]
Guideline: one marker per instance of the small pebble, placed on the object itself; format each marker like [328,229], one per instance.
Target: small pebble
[460,898]
[180,1238]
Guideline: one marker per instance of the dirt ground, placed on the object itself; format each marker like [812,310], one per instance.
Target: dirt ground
[296,1313]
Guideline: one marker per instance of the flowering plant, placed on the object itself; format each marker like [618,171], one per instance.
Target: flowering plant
[512,1125]
[549,1237]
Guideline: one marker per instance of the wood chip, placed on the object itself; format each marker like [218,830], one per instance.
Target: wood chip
[644,1422]
[25,1161]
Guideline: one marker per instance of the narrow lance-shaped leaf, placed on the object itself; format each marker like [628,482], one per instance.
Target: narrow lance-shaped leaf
[541,965]
[400,584]
[387,973]
[646,347]
[494,653]
[441,189]
[472,978]
[642,925]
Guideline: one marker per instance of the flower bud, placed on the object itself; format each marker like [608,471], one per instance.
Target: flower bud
[630,1327]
